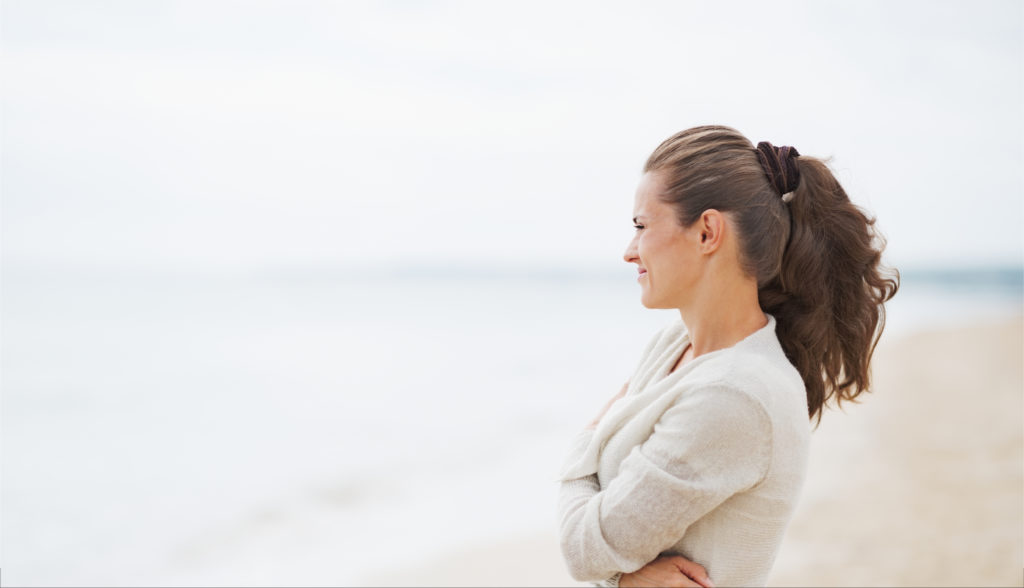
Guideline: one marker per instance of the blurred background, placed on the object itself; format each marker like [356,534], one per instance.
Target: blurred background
[318,292]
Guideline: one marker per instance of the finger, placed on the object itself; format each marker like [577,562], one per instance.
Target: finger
[694,571]
[669,576]
[683,581]
[655,575]
[640,579]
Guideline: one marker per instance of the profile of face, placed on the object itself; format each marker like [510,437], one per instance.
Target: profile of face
[669,257]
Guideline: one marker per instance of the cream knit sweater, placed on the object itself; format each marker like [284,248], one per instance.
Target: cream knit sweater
[706,462]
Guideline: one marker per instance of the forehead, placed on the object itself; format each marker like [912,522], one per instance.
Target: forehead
[647,200]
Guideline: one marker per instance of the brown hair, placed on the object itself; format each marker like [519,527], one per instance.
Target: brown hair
[816,259]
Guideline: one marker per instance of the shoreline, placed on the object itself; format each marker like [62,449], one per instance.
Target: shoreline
[919,484]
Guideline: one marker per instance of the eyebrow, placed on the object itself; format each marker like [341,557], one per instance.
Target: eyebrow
[638,217]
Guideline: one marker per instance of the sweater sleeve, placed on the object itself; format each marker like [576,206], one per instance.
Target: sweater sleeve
[712,443]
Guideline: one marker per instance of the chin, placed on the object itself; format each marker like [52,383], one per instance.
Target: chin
[652,304]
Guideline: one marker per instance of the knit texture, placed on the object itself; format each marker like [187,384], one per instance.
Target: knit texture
[706,462]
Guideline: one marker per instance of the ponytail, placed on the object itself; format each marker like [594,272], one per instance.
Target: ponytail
[828,296]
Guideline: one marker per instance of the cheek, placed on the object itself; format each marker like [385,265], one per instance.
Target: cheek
[647,248]
[666,262]
[642,244]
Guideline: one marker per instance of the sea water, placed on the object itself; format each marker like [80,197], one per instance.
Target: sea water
[314,427]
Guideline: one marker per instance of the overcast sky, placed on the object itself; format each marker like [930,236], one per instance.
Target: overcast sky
[246,134]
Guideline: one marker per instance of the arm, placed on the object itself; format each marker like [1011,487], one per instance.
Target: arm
[710,445]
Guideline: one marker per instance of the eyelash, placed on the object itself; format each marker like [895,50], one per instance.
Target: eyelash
[638,227]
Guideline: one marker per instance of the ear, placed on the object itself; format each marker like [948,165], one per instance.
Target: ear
[712,230]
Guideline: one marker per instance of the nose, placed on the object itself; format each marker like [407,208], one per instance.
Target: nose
[631,255]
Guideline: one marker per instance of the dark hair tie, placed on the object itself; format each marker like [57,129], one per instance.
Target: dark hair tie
[779,164]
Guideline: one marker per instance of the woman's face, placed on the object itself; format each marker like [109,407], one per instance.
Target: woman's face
[666,254]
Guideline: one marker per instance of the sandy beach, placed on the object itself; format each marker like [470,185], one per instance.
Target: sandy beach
[918,485]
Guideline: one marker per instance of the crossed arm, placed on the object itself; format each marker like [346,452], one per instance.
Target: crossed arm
[699,454]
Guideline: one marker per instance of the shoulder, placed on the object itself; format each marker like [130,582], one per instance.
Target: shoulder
[760,373]
[757,370]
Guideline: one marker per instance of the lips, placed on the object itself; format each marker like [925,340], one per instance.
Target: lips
[642,271]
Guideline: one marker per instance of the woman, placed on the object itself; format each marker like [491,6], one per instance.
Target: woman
[701,456]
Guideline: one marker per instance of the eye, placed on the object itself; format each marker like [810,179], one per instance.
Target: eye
[638,227]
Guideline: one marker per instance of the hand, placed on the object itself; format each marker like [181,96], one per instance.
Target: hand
[673,570]
[597,419]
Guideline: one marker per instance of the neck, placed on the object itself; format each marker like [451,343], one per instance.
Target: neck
[722,317]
